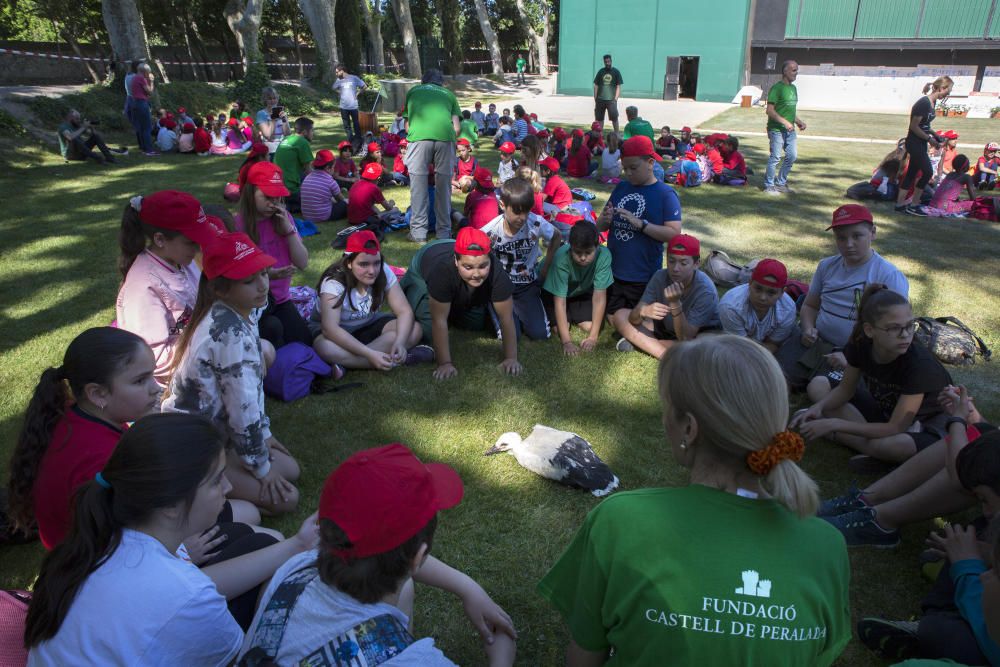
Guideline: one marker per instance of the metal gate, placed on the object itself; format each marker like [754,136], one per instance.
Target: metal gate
[671,80]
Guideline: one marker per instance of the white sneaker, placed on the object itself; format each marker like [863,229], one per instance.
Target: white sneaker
[772,191]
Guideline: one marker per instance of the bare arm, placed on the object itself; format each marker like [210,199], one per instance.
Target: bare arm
[664,232]
[333,331]
[550,255]
[773,115]
[900,420]
[296,248]
[505,313]
[599,303]
[401,309]
[562,321]
[456,124]
[439,331]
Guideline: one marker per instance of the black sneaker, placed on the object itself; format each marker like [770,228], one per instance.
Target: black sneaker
[420,354]
[624,346]
[901,208]
[890,640]
[848,502]
[862,464]
[917,210]
[860,529]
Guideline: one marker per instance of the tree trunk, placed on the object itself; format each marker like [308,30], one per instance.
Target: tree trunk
[373,22]
[65,34]
[401,9]
[449,15]
[125,32]
[538,42]
[187,45]
[199,43]
[490,36]
[243,18]
[319,15]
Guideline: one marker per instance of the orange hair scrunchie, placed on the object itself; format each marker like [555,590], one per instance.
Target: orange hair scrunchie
[784,445]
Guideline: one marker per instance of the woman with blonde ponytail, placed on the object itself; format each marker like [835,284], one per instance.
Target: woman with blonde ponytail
[731,569]
[919,135]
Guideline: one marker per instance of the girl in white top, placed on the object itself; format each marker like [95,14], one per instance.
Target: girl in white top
[347,324]
[611,158]
[115,593]
[159,239]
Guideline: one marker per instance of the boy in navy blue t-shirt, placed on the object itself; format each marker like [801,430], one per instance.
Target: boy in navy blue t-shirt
[641,215]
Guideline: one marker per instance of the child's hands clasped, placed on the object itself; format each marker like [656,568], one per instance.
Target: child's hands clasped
[806,415]
[957,543]
[956,401]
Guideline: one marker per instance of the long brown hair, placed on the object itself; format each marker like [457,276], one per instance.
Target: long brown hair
[341,272]
[209,291]
[133,237]
[876,299]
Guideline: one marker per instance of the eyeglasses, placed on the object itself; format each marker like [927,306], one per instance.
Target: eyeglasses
[899,331]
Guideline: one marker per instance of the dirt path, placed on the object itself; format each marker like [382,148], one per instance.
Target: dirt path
[14,99]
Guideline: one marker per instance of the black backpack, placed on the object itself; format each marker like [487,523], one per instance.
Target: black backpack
[340,241]
[950,340]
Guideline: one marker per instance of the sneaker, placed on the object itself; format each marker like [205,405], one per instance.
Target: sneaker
[623,345]
[772,191]
[901,208]
[419,242]
[337,371]
[121,150]
[152,153]
[848,502]
[890,640]
[918,210]
[862,464]
[860,529]
[783,188]
[419,354]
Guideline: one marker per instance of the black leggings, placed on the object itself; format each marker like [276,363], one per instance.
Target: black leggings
[282,324]
[920,162]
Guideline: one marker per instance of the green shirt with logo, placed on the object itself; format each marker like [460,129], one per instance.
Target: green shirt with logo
[429,109]
[293,154]
[785,98]
[521,63]
[639,128]
[699,576]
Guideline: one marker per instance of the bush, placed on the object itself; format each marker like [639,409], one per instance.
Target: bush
[10,126]
[98,102]
[300,101]
[370,93]
[248,88]
[197,97]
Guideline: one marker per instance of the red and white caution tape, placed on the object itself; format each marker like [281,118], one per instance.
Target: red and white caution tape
[59,56]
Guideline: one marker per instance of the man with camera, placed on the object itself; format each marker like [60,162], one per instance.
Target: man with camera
[79,137]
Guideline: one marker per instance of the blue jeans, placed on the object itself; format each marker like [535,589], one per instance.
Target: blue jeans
[780,139]
[143,123]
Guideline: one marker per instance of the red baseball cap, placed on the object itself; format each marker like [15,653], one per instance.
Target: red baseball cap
[639,146]
[268,177]
[578,132]
[851,214]
[698,148]
[181,110]
[384,496]
[770,272]
[364,241]
[484,177]
[233,122]
[234,256]
[551,163]
[462,141]
[258,149]
[372,171]
[595,126]
[558,133]
[690,155]
[533,116]
[176,211]
[684,245]
[403,142]
[473,242]
[168,123]
[543,133]
[507,147]
[950,134]
[323,158]
[189,127]
[686,129]
[343,144]
[372,147]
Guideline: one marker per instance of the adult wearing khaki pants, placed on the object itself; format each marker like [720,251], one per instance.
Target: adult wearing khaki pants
[432,124]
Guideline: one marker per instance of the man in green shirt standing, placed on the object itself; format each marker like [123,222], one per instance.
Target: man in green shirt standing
[432,124]
[637,126]
[607,88]
[520,65]
[294,155]
[782,122]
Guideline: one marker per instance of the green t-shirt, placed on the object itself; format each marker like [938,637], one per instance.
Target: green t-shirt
[785,98]
[292,155]
[639,128]
[469,130]
[703,577]
[568,279]
[521,64]
[429,108]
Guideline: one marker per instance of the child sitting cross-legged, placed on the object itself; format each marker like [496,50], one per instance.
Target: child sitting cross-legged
[350,331]
[365,194]
[515,236]
[481,205]
[734,167]
[354,595]
[345,169]
[946,201]
[760,310]
[465,166]
[507,166]
[576,287]
[400,172]
[557,194]
[320,196]
[679,302]
[886,406]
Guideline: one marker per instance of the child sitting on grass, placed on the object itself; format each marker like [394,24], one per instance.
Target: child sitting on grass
[354,595]
[557,193]
[400,172]
[578,160]
[492,120]
[468,129]
[481,204]
[365,195]
[350,331]
[611,162]
[507,166]
[679,302]
[320,196]
[533,177]
[451,282]
[946,201]
[185,143]
[576,287]
[886,406]
[734,167]
[202,138]
[515,238]
[465,166]
[219,373]
[166,136]
[345,170]
[760,310]
[948,153]
[666,143]
[988,166]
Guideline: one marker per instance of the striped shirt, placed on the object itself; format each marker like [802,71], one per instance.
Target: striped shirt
[318,189]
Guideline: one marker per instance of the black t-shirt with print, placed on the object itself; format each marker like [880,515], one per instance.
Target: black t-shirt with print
[924,110]
[916,371]
[445,285]
[606,79]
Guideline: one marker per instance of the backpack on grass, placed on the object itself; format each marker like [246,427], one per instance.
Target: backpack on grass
[950,340]
[726,273]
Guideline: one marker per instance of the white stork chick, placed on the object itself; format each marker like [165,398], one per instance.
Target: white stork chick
[561,456]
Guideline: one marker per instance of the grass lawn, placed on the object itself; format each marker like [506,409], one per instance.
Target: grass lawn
[861,125]
[58,276]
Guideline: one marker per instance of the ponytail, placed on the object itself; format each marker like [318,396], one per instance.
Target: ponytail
[160,462]
[740,418]
[96,356]
[938,84]
[876,299]
[135,235]
[248,213]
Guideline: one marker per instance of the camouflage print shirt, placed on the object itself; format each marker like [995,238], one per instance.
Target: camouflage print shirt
[222,377]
